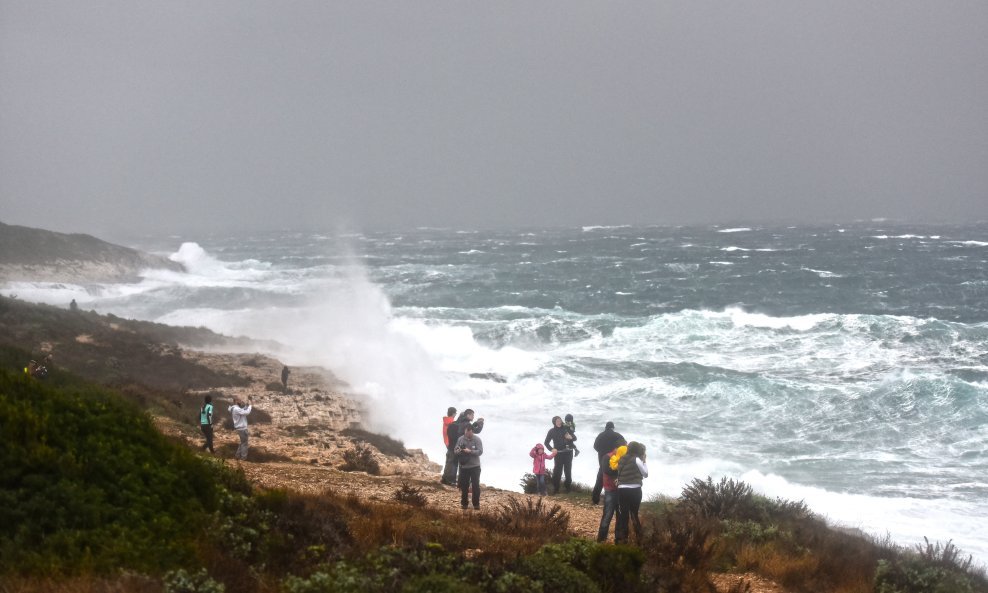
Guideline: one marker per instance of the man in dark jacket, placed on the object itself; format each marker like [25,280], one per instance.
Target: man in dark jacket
[560,439]
[454,431]
[604,443]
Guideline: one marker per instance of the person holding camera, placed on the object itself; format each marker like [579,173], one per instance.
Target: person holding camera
[469,449]
[240,409]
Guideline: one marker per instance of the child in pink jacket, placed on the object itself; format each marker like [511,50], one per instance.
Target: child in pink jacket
[538,466]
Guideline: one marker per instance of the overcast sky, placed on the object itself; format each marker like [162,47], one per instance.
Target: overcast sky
[171,116]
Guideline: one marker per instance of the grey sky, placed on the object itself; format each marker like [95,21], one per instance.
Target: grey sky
[170,115]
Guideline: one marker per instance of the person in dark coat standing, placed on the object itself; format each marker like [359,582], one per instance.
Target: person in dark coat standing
[605,442]
[284,377]
[561,439]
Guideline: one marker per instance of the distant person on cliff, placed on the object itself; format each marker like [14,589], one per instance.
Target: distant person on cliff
[240,410]
[73,306]
[561,440]
[605,442]
[206,422]
[284,377]
[631,469]
[468,449]
[539,457]
[449,469]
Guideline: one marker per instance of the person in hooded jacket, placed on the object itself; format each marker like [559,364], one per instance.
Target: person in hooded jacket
[561,440]
[605,442]
[539,456]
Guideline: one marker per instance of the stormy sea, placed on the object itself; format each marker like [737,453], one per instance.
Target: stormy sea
[846,366]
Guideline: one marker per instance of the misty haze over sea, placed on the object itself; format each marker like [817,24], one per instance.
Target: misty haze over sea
[843,365]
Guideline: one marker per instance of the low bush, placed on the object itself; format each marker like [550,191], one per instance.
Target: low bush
[410,495]
[532,518]
[726,499]
[360,459]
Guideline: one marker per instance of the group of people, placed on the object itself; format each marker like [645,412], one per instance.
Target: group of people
[621,468]
[239,411]
[463,451]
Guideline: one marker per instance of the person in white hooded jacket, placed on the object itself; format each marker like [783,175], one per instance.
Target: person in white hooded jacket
[240,410]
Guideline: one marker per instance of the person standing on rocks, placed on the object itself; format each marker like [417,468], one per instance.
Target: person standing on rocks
[631,469]
[561,440]
[284,377]
[610,489]
[206,422]
[604,443]
[539,456]
[240,410]
[449,469]
[454,431]
[469,448]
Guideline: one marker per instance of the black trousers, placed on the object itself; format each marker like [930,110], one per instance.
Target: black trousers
[563,463]
[449,470]
[207,431]
[470,476]
[629,501]
[598,486]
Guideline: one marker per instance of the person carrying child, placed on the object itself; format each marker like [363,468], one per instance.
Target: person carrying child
[560,439]
[539,456]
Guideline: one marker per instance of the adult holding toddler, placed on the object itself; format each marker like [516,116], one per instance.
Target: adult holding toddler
[560,439]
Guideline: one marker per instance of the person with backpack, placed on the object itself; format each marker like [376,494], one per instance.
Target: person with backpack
[631,469]
[206,422]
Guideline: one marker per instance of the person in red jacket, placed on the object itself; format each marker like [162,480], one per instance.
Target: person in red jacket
[449,470]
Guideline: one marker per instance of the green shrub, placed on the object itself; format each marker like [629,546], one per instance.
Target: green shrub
[512,582]
[914,575]
[528,484]
[410,495]
[556,577]
[180,581]
[725,500]
[436,583]
[87,483]
[532,518]
[616,568]
[360,459]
